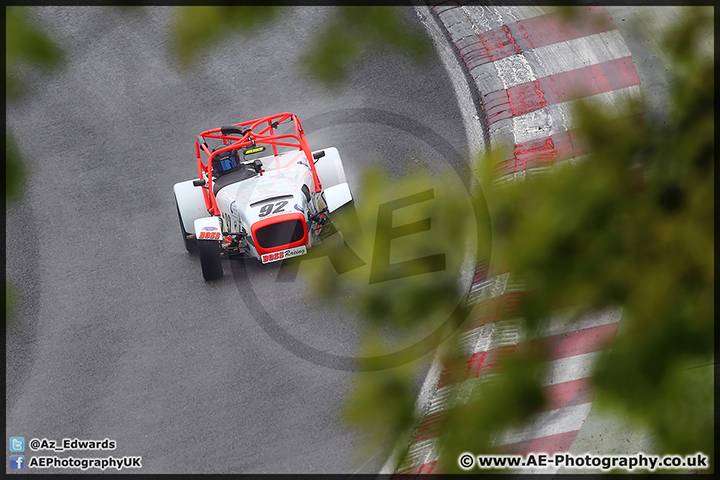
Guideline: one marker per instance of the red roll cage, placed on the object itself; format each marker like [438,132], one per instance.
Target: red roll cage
[250,133]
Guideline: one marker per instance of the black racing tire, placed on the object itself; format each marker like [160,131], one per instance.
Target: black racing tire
[210,259]
[191,244]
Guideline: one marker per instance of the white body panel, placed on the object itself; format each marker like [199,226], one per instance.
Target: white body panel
[330,168]
[284,160]
[337,196]
[276,191]
[190,202]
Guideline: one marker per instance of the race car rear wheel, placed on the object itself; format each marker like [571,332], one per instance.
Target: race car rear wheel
[191,244]
[210,259]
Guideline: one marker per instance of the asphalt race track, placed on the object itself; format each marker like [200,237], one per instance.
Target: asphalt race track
[116,335]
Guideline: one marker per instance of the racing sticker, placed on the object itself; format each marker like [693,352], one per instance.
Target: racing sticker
[290,252]
[209,233]
[254,150]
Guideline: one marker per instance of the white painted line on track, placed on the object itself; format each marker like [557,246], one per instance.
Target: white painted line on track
[492,287]
[555,58]
[615,99]
[502,334]
[521,175]
[531,65]
[563,323]
[579,52]
[540,123]
[420,453]
[486,18]
[495,334]
[514,70]
[570,368]
[552,422]
[447,397]
[510,332]
[557,118]
[558,371]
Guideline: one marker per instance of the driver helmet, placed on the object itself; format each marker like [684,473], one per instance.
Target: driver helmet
[225,162]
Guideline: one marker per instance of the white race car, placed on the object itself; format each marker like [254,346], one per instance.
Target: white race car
[247,203]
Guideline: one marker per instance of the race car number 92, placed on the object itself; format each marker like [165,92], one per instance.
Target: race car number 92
[209,235]
[268,208]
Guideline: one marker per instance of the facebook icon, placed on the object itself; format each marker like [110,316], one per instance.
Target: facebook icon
[17,462]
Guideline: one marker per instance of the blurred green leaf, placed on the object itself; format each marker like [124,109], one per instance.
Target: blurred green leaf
[197,28]
[14,171]
[349,32]
[25,43]
[353,31]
